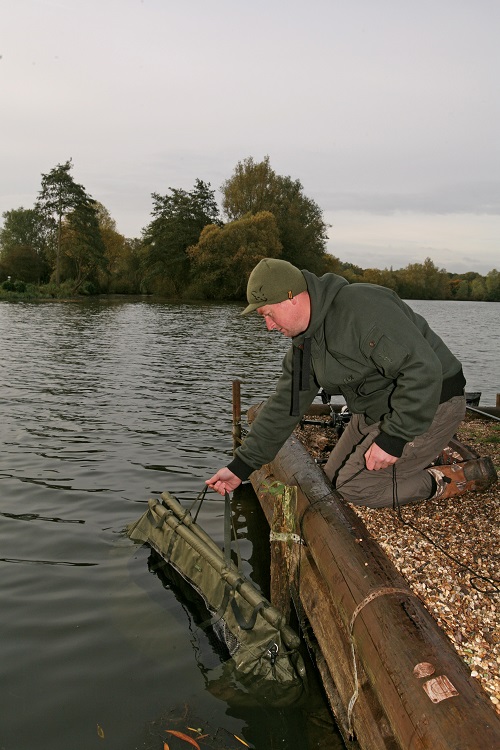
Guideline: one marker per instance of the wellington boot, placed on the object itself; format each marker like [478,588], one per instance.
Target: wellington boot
[454,479]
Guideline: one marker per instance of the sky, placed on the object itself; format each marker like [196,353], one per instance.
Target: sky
[387,111]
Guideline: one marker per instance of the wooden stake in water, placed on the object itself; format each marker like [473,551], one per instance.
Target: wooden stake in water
[236,414]
[285,548]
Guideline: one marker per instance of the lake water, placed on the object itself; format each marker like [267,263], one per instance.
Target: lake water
[105,403]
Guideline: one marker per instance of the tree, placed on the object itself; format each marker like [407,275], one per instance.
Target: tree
[422,281]
[478,289]
[22,246]
[83,248]
[178,219]
[60,196]
[381,278]
[351,272]
[224,256]
[493,285]
[115,246]
[333,264]
[129,276]
[255,187]
[462,290]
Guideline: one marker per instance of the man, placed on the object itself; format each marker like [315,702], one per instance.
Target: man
[402,385]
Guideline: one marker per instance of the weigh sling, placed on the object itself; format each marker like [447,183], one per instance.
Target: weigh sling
[264,649]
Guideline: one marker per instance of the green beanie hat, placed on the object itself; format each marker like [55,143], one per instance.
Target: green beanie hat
[271,281]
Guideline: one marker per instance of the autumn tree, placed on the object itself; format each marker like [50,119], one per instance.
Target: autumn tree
[422,281]
[60,198]
[115,247]
[385,278]
[178,219]
[255,187]
[83,250]
[332,264]
[224,256]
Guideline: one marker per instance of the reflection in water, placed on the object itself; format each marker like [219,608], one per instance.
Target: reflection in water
[37,517]
[105,404]
[45,562]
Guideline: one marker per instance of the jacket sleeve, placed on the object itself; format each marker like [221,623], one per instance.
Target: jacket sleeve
[416,372]
[273,424]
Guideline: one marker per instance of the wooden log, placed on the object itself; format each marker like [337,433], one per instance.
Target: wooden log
[355,596]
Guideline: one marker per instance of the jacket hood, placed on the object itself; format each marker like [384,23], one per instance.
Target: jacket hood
[322,291]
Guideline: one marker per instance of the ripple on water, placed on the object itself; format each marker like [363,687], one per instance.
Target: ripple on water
[105,404]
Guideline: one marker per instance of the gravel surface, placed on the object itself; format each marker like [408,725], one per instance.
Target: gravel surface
[449,554]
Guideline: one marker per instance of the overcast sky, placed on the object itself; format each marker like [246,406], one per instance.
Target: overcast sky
[387,111]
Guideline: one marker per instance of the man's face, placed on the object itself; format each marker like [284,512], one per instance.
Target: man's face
[286,317]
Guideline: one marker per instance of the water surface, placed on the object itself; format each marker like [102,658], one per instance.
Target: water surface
[104,404]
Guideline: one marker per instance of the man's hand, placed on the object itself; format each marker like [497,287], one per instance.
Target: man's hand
[224,481]
[376,458]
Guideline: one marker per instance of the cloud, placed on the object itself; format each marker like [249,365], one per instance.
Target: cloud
[377,108]
[472,198]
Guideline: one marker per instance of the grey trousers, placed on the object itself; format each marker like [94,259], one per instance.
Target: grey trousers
[346,468]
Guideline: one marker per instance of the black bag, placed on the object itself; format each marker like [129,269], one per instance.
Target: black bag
[263,648]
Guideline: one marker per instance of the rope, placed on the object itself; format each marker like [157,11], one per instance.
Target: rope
[382,591]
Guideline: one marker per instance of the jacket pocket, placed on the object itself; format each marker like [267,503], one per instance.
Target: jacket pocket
[388,355]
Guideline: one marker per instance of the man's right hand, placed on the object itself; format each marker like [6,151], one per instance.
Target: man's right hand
[224,481]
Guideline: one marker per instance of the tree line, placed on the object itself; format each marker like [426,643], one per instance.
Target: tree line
[68,244]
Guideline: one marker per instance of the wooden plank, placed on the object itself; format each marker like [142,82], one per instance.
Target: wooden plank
[392,633]
[284,551]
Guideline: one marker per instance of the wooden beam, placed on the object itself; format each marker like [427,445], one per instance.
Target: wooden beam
[355,595]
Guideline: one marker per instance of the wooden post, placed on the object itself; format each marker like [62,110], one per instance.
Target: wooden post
[284,547]
[236,414]
[498,401]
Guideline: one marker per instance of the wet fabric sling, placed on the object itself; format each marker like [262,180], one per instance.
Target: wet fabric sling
[263,648]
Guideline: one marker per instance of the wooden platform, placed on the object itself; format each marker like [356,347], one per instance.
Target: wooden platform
[393,678]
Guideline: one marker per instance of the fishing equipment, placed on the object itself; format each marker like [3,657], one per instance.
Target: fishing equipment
[263,649]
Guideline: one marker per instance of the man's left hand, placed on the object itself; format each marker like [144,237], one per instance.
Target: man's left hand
[376,458]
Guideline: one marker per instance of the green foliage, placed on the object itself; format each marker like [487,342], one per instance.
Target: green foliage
[69,239]
[127,271]
[255,187]
[52,290]
[224,256]
[115,249]
[492,284]
[13,291]
[478,289]
[69,215]
[178,219]
[385,278]
[22,247]
[83,248]
[422,281]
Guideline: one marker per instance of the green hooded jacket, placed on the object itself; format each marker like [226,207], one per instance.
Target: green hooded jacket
[368,345]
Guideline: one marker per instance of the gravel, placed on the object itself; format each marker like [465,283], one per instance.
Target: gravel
[449,553]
